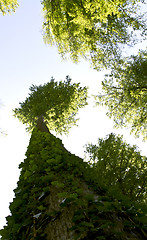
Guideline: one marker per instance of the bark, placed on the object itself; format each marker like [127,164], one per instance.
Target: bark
[41,124]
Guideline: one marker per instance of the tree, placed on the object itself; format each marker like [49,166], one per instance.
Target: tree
[95,30]
[8,6]
[58,196]
[49,176]
[119,167]
[125,94]
[55,103]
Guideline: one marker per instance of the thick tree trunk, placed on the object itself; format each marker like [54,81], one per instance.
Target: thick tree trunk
[58,198]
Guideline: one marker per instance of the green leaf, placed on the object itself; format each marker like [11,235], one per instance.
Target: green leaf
[41,208]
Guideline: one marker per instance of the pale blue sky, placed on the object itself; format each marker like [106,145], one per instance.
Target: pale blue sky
[26,60]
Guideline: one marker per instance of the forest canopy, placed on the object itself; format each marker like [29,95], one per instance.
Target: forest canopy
[104,198]
[95,30]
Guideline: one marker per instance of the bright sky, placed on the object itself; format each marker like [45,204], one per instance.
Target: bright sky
[26,60]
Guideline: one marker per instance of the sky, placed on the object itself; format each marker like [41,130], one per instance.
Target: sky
[26,60]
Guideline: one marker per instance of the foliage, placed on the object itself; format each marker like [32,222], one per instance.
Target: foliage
[93,29]
[110,219]
[119,167]
[46,166]
[8,6]
[125,94]
[110,190]
[49,168]
[57,102]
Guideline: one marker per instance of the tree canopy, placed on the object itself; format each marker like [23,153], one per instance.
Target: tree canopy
[94,29]
[119,167]
[8,6]
[58,195]
[57,102]
[125,94]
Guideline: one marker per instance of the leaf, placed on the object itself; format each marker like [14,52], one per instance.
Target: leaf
[41,208]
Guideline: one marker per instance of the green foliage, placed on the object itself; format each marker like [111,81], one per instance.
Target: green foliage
[50,169]
[119,167]
[125,94]
[111,188]
[57,102]
[38,176]
[95,30]
[95,220]
[8,6]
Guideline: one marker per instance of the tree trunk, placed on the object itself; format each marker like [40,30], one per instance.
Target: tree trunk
[58,198]
[41,124]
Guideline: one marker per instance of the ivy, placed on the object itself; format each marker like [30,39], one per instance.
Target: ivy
[47,173]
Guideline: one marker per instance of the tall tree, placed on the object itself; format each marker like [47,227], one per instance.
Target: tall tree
[8,6]
[125,94]
[56,103]
[58,196]
[93,29]
[119,167]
